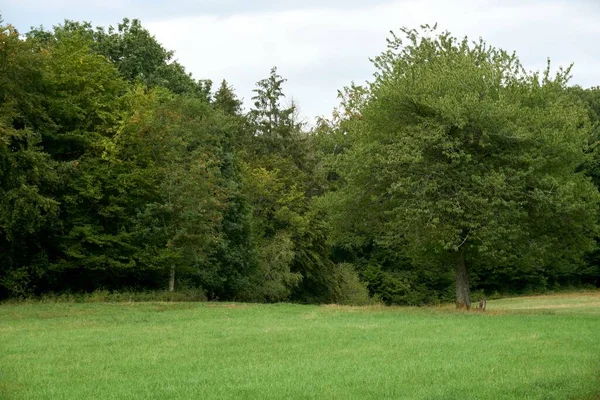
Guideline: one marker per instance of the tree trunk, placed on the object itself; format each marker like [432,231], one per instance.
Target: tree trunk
[172,280]
[463,292]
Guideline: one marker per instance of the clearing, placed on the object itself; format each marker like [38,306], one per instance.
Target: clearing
[544,347]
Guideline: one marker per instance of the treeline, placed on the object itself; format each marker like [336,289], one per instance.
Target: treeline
[453,169]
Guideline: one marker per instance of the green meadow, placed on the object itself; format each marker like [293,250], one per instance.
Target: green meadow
[545,347]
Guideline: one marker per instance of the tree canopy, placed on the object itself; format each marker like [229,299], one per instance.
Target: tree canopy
[463,158]
[453,170]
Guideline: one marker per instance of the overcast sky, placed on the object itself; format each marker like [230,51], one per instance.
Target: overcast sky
[322,45]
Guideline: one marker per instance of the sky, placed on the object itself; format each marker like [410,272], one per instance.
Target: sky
[320,46]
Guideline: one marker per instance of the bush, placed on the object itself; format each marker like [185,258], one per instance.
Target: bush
[274,281]
[410,287]
[350,289]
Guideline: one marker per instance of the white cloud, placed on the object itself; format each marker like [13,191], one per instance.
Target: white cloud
[320,50]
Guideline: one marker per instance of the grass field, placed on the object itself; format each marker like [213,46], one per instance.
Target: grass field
[544,347]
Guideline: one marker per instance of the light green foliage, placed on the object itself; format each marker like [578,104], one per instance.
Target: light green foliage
[83,96]
[276,281]
[136,53]
[525,348]
[350,290]
[279,181]
[459,151]
[278,206]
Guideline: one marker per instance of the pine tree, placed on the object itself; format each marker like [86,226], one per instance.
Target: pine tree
[226,100]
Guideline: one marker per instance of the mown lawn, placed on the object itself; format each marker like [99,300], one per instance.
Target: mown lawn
[527,348]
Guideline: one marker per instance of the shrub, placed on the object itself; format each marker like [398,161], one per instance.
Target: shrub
[350,289]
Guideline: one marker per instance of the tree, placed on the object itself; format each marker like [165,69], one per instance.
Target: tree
[226,100]
[280,174]
[134,51]
[270,118]
[464,159]
[174,156]
[83,91]
[29,178]
[591,99]
[59,105]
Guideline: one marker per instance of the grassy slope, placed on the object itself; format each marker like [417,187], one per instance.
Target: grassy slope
[535,348]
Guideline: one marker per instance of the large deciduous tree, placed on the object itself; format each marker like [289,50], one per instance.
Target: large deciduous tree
[467,160]
[28,176]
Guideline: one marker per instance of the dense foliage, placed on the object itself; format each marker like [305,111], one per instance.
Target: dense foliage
[453,170]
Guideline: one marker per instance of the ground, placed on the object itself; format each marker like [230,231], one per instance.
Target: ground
[545,347]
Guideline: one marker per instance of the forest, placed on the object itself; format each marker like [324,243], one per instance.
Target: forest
[454,173]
